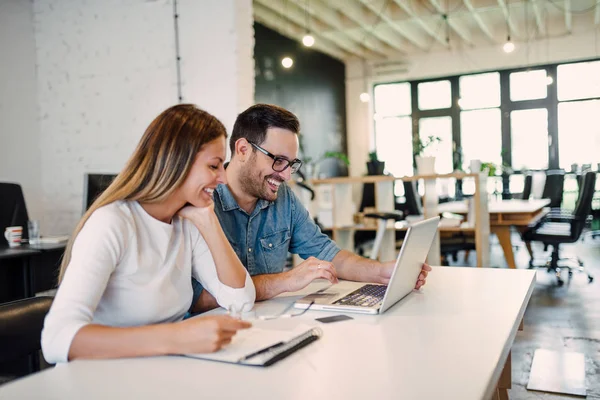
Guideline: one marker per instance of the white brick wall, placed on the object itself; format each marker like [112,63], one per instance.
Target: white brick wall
[106,68]
[19,129]
[217,79]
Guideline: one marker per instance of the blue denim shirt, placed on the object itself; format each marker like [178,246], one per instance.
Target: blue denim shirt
[263,239]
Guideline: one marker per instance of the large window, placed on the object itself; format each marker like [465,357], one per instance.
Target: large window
[578,81]
[538,118]
[579,133]
[393,127]
[392,100]
[394,144]
[529,85]
[434,95]
[481,136]
[479,91]
[529,136]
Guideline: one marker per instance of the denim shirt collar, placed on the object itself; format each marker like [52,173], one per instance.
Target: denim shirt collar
[228,202]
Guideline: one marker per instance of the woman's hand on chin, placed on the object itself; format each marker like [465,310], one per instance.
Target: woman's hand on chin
[202,217]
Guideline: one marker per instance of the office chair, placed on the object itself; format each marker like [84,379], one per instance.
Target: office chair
[21,324]
[450,245]
[13,211]
[560,228]
[553,187]
[363,239]
[527,187]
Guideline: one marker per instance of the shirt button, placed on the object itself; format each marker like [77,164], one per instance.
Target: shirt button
[270,244]
[250,250]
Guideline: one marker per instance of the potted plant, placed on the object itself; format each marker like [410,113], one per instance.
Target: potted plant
[425,163]
[374,165]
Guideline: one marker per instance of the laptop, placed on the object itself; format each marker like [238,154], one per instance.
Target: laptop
[364,298]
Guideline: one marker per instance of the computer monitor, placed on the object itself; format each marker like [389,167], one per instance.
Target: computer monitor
[93,186]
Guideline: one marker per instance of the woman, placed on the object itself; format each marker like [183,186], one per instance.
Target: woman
[126,273]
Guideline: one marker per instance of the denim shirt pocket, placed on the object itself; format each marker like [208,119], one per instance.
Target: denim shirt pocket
[275,250]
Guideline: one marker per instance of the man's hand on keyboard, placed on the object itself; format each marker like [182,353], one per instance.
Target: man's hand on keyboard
[306,272]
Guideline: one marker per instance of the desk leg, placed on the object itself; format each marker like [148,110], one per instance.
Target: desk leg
[503,234]
[504,383]
[28,279]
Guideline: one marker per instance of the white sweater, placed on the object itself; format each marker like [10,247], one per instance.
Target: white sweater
[129,269]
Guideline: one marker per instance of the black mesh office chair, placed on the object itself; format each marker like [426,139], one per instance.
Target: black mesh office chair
[561,228]
[21,324]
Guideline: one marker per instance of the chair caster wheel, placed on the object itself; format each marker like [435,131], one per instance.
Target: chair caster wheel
[560,282]
[590,279]
[570,274]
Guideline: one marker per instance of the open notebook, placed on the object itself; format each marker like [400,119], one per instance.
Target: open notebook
[263,347]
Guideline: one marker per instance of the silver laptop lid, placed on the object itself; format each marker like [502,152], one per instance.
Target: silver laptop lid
[409,263]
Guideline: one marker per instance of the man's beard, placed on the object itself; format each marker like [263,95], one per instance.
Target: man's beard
[256,186]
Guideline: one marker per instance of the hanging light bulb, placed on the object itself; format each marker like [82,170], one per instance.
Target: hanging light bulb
[364,97]
[509,46]
[287,62]
[308,40]
[549,80]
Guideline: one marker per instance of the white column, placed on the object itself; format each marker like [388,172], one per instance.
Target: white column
[19,128]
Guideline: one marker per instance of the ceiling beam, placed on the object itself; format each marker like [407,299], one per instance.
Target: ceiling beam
[511,25]
[460,31]
[267,17]
[287,16]
[538,17]
[386,33]
[568,16]
[482,25]
[338,33]
[431,31]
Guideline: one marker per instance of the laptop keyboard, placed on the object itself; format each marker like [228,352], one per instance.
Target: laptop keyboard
[365,296]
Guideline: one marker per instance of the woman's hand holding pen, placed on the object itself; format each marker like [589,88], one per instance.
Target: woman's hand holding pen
[205,334]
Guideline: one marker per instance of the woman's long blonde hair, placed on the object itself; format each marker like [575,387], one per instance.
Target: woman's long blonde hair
[159,164]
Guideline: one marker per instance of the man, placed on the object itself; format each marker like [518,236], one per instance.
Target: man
[264,220]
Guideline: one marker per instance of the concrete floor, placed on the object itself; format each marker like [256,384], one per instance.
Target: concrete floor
[558,318]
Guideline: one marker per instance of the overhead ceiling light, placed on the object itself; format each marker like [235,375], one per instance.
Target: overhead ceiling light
[364,97]
[287,62]
[308,40]
[509,46]
[549,80]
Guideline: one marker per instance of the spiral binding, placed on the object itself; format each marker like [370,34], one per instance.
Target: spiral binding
[270,357]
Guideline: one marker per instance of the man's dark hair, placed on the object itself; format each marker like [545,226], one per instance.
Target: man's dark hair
[253,123]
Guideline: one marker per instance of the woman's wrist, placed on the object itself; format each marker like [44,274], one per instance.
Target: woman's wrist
[205,219]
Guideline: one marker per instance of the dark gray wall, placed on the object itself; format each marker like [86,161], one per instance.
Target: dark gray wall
[313,88]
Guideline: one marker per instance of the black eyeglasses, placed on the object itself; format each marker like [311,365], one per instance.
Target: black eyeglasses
[280,164]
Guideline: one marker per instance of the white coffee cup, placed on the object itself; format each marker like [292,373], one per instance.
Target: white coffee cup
[13,235]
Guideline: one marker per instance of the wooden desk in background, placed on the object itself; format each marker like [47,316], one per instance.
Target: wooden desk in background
[503,215]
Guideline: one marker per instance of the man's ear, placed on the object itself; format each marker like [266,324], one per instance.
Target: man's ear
[243,149]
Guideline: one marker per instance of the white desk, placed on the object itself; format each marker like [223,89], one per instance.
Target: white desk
[449,341]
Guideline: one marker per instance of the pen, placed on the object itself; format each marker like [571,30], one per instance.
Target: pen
[259,352]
